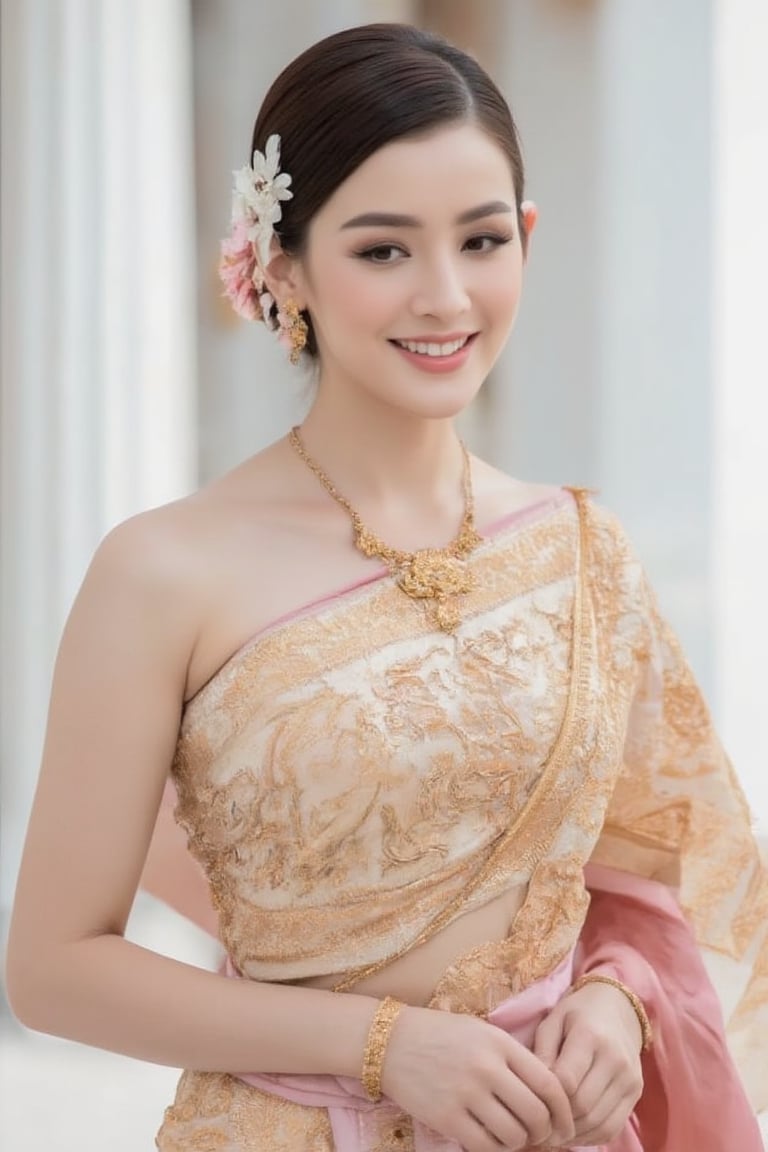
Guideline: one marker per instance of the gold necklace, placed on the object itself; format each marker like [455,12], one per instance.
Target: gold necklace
[439,576]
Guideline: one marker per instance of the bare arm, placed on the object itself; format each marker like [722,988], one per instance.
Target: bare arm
[172,875]
[114,716]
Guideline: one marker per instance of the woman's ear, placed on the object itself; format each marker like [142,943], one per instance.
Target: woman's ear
[530,215]
[284,278]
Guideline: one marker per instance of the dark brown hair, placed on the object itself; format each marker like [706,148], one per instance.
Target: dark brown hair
[353,92]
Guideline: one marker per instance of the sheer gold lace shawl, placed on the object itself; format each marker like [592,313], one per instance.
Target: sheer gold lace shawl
[350,781]
[678,814]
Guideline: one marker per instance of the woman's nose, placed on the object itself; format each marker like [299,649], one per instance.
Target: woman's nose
[441,291]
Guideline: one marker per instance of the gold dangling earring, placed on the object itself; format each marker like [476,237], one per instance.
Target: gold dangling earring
[295,329]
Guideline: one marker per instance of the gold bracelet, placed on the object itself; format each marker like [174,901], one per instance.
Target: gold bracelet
[376,1046]
[645,1025]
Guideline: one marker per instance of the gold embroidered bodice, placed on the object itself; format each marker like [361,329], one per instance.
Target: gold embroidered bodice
[353,779]
[347,775]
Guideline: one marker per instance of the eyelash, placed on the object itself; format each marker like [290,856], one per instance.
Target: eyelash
[497,241]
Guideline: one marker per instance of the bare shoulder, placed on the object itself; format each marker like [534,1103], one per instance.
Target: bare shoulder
[137,599]
[149,547]
[215,567]
[153,556]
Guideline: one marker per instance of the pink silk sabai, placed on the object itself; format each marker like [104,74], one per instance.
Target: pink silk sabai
[688,1061]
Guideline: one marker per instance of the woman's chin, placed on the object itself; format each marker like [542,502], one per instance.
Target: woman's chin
[443,404]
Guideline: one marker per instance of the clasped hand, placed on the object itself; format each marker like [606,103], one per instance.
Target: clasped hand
[472,1083]
[591,1041]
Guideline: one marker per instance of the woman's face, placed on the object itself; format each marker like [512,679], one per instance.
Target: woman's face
[413,270]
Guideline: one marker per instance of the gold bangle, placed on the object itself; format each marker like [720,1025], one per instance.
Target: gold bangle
[376,1046]
[645,1025]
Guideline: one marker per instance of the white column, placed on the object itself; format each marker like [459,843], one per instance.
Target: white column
[148,264]
[98,338]
[740,408]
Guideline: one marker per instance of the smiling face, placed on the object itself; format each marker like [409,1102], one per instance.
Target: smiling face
[412,272]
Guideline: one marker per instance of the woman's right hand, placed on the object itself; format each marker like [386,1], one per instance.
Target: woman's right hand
[471,1082]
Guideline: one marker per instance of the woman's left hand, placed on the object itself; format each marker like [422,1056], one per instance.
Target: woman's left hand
[591,1040]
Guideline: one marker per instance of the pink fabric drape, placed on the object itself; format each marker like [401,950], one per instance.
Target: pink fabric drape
[693,1100]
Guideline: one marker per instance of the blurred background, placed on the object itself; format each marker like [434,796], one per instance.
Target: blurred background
[639,365]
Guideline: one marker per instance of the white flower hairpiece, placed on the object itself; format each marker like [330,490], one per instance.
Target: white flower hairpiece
[245,253]
[258,190]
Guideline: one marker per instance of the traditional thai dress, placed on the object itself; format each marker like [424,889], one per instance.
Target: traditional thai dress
[354,779]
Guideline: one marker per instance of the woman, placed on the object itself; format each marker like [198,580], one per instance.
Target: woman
[406,700]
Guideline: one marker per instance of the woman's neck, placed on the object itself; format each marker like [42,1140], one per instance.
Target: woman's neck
[385,456]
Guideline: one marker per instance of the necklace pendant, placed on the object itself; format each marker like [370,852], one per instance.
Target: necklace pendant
[431,574]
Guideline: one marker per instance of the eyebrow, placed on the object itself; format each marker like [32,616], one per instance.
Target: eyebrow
[393,220]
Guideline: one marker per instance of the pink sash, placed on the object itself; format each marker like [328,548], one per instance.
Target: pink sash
[351,1112]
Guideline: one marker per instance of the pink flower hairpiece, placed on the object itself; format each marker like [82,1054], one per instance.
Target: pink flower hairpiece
[245,253]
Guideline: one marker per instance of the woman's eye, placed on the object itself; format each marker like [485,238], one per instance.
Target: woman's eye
[382,254]
[487,242]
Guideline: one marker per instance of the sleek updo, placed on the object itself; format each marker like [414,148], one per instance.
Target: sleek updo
[353,92]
